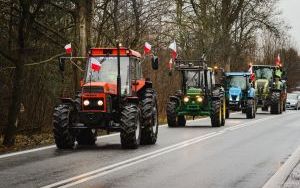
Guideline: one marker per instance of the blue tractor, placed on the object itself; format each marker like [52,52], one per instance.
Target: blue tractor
[240,94]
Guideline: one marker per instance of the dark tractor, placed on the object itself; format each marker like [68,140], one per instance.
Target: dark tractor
[115,97]
[240,95]
[270,88]
[198,96]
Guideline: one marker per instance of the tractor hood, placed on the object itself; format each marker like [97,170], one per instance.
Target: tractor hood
[194,91]
[235,91]
[99,87]
[261,85]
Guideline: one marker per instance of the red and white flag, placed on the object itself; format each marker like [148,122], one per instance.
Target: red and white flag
[95,64]
[252,75]
[147,48]
[173,47]
[68,48]
[278,60]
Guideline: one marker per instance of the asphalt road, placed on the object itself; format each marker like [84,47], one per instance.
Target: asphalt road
[244,153]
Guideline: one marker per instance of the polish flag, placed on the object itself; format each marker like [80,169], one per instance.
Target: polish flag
[252,75]
[68,48]
[278,60]
[95,65]
[147,48]
[174,49]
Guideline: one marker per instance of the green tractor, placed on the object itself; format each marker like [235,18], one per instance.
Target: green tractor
[270,88]
[198,96]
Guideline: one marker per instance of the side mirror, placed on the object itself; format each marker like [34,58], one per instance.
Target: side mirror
[61,64]
[154,62]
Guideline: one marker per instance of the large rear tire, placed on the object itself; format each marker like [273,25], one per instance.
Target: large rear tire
[216,113]
[275,103]
[86,137]
[63,137]
[149,118]
[130,125]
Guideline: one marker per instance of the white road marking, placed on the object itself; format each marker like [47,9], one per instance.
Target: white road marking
[54,146]
[130,162]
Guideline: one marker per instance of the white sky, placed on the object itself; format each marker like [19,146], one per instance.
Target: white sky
[291,14]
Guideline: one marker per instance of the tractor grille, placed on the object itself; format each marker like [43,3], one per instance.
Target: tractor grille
[234,97]
[94,105]
[92,89]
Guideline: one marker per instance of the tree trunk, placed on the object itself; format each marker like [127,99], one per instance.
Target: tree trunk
[14,109]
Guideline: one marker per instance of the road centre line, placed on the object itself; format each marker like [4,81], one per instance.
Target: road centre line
[130,162]
[54,146]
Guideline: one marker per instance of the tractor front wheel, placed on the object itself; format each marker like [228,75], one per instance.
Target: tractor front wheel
[64,139]
[130,125]
[171,114]
[149,118]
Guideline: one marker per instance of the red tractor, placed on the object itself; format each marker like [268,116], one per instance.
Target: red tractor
[114,97]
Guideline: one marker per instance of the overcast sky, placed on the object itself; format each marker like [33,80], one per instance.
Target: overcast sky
[291,13]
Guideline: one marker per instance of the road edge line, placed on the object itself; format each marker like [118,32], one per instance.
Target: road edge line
[279,178]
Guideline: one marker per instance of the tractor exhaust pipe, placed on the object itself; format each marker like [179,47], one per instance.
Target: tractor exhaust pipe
[119,78]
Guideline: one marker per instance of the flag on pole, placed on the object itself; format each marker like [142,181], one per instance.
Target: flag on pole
[95,64]
[68,48]
[174,49]
[147,48]
[278,60]
[252,75]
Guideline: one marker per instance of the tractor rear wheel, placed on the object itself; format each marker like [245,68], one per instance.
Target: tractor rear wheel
[250,109]
[63,137]
[86,137]
[130,125]
[275,103]
[171,114]
[216,113]
[149,117]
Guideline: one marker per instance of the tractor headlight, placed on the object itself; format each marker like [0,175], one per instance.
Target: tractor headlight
[199,99]
[100,103]
[86,102]
[186,99]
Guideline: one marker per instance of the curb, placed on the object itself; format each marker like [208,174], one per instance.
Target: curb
[279,178]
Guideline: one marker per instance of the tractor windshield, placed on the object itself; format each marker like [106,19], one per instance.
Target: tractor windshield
[237,81]
[194,79]
[105,69]
[263,73]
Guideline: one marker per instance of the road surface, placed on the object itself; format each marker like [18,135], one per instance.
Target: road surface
[244,153]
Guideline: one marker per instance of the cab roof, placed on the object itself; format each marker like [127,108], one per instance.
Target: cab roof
[114,52]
